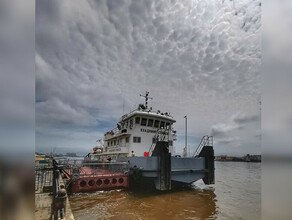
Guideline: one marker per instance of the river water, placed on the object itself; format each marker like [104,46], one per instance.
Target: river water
[236,194]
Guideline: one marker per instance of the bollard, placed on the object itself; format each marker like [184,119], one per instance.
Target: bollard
[60,203]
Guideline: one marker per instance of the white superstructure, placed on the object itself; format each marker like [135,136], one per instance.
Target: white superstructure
[136,131]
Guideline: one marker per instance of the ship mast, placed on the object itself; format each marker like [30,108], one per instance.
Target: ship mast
[146,99]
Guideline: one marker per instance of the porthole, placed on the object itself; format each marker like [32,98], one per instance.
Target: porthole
[83,183]
[91,182]
[99,182]
[121,180]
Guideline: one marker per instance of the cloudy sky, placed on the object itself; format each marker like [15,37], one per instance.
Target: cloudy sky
[196,58]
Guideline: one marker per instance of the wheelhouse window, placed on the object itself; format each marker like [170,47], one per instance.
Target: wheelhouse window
[137,120]
[127,139]
[111,143]
[162,124]
[115,142]
[108,144]
[150,122]
[131,123]
[137,139]
[167,125]
[156,124]
[144,121]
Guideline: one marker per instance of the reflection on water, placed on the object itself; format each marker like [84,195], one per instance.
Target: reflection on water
[150,205]
[236,195]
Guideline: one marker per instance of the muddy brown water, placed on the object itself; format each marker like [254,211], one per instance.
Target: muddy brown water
[235,195]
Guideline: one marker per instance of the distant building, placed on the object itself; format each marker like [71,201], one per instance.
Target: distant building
[246,158]
[252,158]
[225,158]
[71,155]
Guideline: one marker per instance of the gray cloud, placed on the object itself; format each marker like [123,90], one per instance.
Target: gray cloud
[241,134]
[222,128]
[236,122]
[243,118]
[196,58]
[56,112]
[228,140]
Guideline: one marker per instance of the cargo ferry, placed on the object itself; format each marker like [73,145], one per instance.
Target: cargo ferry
[144,138]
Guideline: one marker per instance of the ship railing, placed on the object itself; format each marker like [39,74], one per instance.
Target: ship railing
[133,111]
[146,110]
[116,132]
[205,141]
[128,114]
[43,176]
[122,145]
[76,169]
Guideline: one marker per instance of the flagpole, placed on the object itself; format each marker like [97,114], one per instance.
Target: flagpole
[186,135]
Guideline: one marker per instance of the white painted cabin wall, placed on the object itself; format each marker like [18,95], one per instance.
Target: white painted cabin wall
[146,140]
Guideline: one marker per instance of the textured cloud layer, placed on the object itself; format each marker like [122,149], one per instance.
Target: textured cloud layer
[200,58]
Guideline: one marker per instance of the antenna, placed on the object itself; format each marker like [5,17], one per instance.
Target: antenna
[260,103]
[146,99]
[123,105]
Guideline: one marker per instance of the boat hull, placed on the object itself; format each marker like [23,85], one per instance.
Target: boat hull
[184,171]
